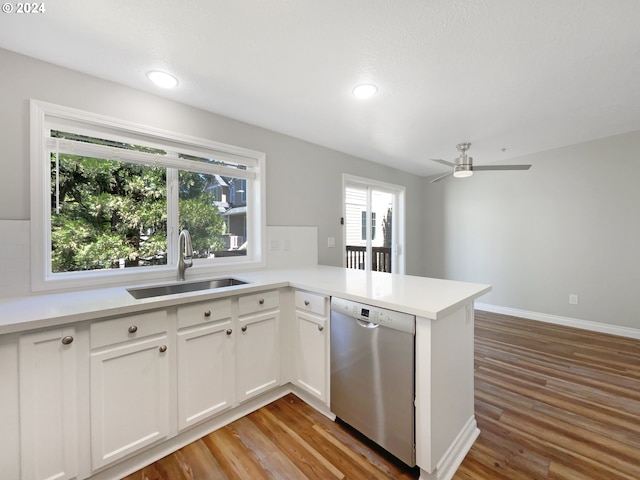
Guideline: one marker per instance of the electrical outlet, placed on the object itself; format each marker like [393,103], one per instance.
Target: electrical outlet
[573,299]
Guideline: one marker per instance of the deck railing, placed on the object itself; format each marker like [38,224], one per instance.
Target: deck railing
[380,258]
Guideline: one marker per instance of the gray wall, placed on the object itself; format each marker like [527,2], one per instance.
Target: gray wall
[304,181]
[569,225]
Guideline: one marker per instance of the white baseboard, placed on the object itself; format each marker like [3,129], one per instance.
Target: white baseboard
[565,321]
[448,465]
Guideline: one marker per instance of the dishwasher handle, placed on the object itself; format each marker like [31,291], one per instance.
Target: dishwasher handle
[364,324]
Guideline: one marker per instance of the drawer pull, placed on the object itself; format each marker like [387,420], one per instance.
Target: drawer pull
[320,328]
[207,313]
[244,328]
[306,303]
[163,348]
[133,329]
[68,340]
[229,331]
[261,301]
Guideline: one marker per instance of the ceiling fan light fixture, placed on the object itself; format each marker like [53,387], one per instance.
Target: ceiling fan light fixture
[162,79]
[463,166]
[462,171]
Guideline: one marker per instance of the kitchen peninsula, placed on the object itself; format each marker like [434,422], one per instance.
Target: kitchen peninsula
[68,348]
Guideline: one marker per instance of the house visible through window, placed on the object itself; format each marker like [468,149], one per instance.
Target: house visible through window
[364,225]
[118,197]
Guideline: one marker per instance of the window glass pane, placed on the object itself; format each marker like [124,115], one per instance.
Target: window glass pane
[106,142]
[373,225]
[106,214]
[213,161]
[213,208]
[381,216]
[355,221]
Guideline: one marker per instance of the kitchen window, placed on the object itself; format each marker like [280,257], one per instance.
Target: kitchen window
[109,198]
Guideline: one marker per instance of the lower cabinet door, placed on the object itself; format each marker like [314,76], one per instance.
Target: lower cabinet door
[257,353]
[129,399]
[48,417]
[311,355]
[205,372]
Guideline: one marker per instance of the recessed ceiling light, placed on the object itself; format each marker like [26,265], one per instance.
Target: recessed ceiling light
[365,90]
[162,79]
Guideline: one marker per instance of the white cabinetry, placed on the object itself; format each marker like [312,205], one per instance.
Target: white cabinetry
[48,420]
[311,344]
[206,370]
[129,385]
[257,344]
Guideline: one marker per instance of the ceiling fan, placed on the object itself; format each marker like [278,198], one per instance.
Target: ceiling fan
[463,165]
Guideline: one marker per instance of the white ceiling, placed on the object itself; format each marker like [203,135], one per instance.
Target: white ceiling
[523,75]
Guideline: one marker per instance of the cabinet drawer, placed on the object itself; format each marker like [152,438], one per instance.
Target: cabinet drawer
[204,312]
[258,302]
[126,328]
[311,302]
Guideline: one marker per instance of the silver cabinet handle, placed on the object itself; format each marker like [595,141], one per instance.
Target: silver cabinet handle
[207,313]
[163,348]
[244,328]
[133,329]
[229,331]
[68,340]
[261,301]
[320,328]
[306,303]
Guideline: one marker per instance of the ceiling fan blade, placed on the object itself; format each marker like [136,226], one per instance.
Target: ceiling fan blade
[501,167]
[440,177]
[444,162]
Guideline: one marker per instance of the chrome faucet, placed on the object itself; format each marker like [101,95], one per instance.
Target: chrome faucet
[185,258]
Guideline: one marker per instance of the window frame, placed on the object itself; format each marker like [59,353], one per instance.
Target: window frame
[45,116]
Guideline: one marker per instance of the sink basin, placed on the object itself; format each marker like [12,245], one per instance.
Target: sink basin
[183,287]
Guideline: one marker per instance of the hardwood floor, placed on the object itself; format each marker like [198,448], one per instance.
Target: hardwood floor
[287,439]
[551,402]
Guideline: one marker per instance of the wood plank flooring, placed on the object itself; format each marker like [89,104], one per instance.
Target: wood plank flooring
[551,402]
[287,439]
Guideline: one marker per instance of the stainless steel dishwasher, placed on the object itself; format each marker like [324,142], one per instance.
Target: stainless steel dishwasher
[372,374]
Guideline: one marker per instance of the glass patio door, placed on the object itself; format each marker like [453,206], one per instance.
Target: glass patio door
[372,216]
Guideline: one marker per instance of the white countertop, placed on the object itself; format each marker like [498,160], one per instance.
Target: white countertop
[426,297]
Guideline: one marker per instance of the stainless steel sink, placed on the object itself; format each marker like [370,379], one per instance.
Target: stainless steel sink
[183,287]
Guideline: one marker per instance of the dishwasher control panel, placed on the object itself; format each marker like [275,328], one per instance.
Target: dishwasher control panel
[374,315]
